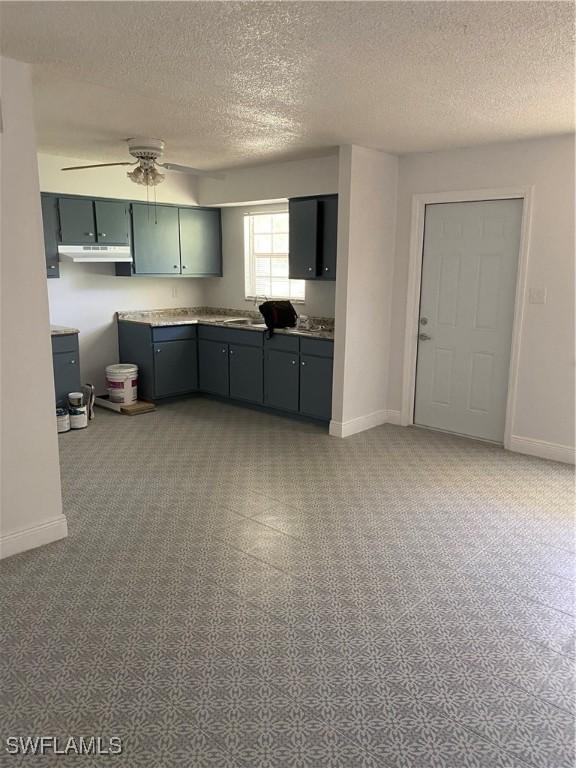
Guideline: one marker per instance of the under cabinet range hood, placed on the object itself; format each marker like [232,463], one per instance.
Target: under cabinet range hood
[109,254]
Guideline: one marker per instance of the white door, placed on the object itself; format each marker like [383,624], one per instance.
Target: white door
[467,298]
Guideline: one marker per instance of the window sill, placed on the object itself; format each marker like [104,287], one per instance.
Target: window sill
[276,298]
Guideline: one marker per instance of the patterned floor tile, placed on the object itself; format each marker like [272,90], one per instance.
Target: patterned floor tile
[248,591]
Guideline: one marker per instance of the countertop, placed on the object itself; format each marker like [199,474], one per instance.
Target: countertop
[62,330]
[223,318]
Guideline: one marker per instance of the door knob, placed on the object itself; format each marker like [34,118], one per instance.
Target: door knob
[423,321]
[424,337]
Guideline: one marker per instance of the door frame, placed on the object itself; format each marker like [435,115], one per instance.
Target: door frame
[416,253]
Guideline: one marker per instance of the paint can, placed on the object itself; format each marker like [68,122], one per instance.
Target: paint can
[62,420]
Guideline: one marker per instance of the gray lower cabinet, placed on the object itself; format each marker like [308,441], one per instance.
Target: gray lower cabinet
[66,363]
[287,372]
[316,382]
[246,373]
[213,367]
[282,380]
[175,367]
[167,358]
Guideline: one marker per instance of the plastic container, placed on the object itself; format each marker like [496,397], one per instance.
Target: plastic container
[78,417]
[122,383]
[76,399]
[62,420]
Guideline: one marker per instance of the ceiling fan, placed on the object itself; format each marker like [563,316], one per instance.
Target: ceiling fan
[148,153]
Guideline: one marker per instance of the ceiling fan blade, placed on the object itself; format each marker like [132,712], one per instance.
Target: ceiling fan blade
[98,165]
[192,171]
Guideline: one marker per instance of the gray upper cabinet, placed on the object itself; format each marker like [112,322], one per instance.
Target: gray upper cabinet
[328,215]
[313,223]
[156,239]
[51,234]
[303,239]
[112,222]
[200,242]
[77,225]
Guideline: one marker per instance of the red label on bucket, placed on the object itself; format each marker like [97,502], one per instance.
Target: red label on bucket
[115,384]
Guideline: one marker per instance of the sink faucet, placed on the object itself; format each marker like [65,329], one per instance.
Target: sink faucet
[258,299]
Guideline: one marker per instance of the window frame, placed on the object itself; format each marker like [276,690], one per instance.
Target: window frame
[250,259]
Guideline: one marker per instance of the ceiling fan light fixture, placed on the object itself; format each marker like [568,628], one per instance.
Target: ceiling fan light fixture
[148,177]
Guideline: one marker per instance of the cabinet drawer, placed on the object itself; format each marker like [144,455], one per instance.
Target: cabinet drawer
[283,343]
[66,343]
[318,347]
[231,335]
[174,332]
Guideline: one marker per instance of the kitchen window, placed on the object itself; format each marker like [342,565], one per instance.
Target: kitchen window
[266,258]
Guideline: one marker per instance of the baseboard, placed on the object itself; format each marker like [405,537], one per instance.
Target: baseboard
[29,538]
[394,417]
[362,423]
[543,449]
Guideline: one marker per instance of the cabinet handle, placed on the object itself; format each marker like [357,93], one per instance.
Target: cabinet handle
[176,266]
[72,362]
[303,363]
[184,266]
[224,350]
[309,269]
[231,351]
[101,234]
[293,362]
[325,269]
[52,266]
[158,351]
[89,234]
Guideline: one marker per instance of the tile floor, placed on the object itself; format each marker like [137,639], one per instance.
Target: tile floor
[240,589]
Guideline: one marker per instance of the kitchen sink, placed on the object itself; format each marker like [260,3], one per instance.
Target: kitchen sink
[251,321]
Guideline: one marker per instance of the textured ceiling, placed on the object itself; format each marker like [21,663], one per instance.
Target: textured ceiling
[227,83]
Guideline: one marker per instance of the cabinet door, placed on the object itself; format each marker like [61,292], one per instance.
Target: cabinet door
[246,373]
[303,239]
[281,375]
[329,229]
[316,386]
[156,239]
[175,367]
[66,375]
[76,221]
[213,367]
[200,242]
[51,233]
[112,222]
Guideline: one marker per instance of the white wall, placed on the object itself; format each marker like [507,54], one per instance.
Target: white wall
[228,291]
[545,401]
[272,182]
[366,245]
[86,296]
[31,509]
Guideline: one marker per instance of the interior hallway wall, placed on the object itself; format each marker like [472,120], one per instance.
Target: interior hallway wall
[31,503]
[366,240]
[544,418]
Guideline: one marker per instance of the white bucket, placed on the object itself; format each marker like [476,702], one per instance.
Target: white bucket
[78,417]
[122,383]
